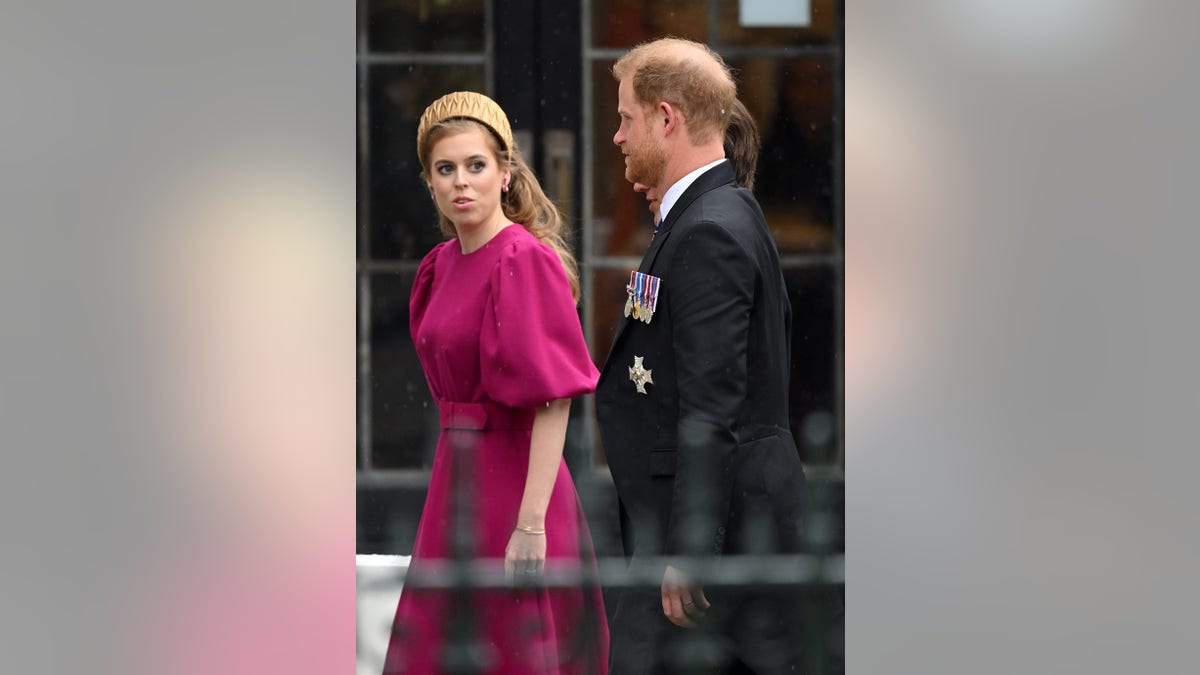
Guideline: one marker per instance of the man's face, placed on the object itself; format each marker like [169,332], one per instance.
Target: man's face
[645,152]
[651,196]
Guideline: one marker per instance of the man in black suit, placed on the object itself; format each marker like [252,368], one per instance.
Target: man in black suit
[692,400]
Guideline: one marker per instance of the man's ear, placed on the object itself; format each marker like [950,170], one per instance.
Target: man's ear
[668,116]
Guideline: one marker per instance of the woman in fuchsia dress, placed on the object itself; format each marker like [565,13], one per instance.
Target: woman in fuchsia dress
[494,322]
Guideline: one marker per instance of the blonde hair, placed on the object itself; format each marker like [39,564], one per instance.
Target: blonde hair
[524,203]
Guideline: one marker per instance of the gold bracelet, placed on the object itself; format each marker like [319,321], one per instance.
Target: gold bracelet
[529,530]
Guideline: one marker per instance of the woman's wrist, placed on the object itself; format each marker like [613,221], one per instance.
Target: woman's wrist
[529,518]
[531,530]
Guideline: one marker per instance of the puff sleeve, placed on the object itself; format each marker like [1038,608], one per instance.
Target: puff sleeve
[422,288]
[531,345]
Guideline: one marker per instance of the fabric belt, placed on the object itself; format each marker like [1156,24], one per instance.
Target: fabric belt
[479,416]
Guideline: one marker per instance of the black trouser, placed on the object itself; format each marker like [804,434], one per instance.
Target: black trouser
[745,631]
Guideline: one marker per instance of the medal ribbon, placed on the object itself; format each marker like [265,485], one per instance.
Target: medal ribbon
[643,290]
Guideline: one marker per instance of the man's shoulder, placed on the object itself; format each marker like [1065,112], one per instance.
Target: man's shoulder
[730,206]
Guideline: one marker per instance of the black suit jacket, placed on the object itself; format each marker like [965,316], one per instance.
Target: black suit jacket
[704,462]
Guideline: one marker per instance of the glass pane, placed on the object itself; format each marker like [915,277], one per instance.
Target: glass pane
[387,520]
[792,102]
[606,305]
[403,220]
[620,225]
[425,26]
[404,420]
[575,451]
[822,28]
[626,23]
[816,357]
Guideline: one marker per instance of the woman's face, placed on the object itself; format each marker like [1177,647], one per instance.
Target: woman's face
[465,179]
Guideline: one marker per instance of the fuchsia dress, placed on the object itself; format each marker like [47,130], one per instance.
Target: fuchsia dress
[498,335]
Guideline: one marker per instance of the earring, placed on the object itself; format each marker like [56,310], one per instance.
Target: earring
[504,188]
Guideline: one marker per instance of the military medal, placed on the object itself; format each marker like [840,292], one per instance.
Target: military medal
[643,296]
[640,375]
[637,296]
[650,293]
[632,303]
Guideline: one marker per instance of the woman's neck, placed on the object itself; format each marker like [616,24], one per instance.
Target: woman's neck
[474,238]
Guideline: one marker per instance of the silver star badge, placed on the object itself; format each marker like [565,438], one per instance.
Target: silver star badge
[639,375]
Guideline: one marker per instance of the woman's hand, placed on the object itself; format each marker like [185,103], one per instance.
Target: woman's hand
[525,556]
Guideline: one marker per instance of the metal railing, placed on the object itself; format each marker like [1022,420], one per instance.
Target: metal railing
[813,583]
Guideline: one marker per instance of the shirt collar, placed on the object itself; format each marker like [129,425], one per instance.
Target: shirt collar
[676,190]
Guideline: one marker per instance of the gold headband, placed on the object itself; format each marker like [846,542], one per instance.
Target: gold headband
[470,105]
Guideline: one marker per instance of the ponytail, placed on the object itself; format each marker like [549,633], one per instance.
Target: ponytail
[526,203]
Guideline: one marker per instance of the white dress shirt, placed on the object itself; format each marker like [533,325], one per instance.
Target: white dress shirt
[676,190]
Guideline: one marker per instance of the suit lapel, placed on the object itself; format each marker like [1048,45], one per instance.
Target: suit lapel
[709,180]
[655,247]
